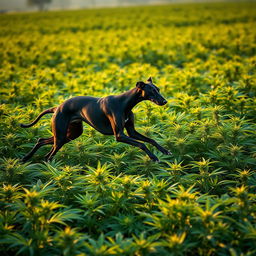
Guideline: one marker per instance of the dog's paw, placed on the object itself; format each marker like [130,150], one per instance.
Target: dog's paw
[166,152]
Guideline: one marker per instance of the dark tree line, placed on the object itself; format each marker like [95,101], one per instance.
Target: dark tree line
[41,4]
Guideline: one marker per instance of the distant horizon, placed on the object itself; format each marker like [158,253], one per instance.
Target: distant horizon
[22,5]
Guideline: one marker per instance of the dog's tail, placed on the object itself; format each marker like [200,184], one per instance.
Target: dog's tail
[47,111]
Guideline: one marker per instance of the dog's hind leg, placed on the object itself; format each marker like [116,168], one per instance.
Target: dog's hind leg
[48,154]
[41,142]
[74,131]
[59,127]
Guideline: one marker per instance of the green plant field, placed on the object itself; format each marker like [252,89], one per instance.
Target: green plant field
[101,197]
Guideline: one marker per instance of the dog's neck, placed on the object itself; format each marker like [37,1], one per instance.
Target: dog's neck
[131,98]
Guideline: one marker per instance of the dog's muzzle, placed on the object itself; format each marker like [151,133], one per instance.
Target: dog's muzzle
[159,103]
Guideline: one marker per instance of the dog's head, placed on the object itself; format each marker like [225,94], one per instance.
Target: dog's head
[151,92]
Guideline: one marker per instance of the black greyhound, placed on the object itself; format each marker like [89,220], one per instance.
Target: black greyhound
[108,115]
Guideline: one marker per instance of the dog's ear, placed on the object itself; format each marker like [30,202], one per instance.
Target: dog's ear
[150,80]
[140,84]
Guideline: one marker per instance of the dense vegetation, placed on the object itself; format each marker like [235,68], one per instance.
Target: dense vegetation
[100,197]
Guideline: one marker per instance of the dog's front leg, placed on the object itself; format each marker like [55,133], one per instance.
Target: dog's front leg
[129,125]
[117,126]
[123,138]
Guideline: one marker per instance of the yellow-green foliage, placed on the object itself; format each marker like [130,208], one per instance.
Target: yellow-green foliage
[100,197]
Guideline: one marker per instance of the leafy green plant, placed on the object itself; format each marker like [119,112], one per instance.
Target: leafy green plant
[102,197]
